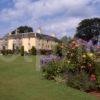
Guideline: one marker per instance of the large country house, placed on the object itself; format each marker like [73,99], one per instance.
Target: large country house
[38,40]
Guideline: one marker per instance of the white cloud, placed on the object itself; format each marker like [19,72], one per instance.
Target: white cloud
[42,8]
[62,25]
[29,12]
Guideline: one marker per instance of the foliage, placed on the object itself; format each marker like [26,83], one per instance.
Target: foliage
[50,70]
[83,70]
[88,29]
[22,51]
[33,51]
[43,51]
[53,68]
[58,50]
[77,67]
[6,51]
[81,82]
[23,29]
[3,51]
[16,50]
[47,58]
[65,40]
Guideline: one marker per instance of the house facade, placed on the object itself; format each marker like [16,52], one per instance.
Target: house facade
[3,43]
[39,41]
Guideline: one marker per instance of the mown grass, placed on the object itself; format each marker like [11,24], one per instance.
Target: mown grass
[20,80]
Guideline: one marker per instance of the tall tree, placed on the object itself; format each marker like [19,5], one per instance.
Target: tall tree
[23,29]
[89,29]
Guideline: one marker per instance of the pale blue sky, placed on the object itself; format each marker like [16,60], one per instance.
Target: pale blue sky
[53,16]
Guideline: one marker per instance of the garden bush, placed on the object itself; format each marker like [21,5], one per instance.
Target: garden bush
[81,82]
[50,70]
[32,51]
[6,52]
[54,68]
[58,50]
[22,50]
[77,68]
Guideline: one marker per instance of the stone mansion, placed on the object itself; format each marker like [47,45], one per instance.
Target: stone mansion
[36,39]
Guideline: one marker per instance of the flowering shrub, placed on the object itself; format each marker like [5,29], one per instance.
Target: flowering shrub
[45,59]
[83,76]
[53,67]
[77,67]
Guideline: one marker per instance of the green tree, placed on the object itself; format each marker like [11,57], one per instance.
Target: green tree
[23,29]
[33,50]
[89,29]
[58,50]
[4,50]
[65,39]
[22,51]
[13,48]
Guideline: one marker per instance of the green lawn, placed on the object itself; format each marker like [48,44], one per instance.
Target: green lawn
[19,80]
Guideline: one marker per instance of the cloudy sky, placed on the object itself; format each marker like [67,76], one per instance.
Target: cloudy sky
[53,16]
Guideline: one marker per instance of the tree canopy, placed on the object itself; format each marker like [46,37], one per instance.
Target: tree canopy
[65,39]
[23,29]
[88,29]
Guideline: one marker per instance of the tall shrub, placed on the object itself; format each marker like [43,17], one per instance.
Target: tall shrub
[33,50]
[3,50]
[22,51]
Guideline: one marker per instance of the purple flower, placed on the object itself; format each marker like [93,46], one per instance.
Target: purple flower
[47,59]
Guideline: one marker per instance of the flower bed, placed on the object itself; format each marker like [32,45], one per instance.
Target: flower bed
[46,59]
[76,68]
